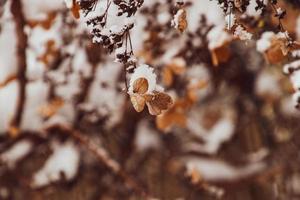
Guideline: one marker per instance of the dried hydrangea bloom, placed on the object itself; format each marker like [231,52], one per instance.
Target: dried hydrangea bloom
[143,90]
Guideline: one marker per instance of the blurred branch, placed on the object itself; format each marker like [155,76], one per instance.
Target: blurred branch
[16,10]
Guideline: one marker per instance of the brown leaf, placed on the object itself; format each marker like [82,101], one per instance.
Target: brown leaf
[51,108]
[220,55]
[8,80]
[182,22]
[167,76]
[168,119]
[46,24]
[176,115]
[50,53]
[138,102]
[75,9]
[140,86]
[276,53]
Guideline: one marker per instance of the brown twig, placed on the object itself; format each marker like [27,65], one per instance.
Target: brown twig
[16,10]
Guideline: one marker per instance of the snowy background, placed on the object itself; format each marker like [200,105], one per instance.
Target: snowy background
[231,133]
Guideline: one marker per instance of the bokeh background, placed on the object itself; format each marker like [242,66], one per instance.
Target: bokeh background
[69,131]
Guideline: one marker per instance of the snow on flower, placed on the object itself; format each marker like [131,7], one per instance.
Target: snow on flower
[241,33]
[143,90]
[143,71]
[179,21]
[217,37]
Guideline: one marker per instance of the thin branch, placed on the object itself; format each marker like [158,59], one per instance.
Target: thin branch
[17,12]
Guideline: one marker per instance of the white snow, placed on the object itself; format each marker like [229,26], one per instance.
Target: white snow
[295,79]
[32,120]
[143,71]
[241,33]
[221,132]
[18,151]
[65,159]
[291,66]
[217,37]
[8,102]
[298,28]
[38,10]
[8,64]
[69,3]
[264,43]
[177,18]
[146,137]
[210,9]
[217,170]
[267,83]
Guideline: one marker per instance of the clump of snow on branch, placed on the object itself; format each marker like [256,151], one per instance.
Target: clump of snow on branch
[242,33]
[64,161]
[217,37]
[16,152]
[179,21]
[217,170]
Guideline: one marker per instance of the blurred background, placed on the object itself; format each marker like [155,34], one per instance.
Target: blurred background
[68,129]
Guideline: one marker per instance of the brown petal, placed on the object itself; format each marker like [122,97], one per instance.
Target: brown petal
[140,86]
[161,100]
[138,102]
[153,110]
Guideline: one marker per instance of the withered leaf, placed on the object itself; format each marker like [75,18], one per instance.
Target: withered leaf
[75,9]
[182,22]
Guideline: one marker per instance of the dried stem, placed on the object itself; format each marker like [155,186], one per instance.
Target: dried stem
[16,10]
